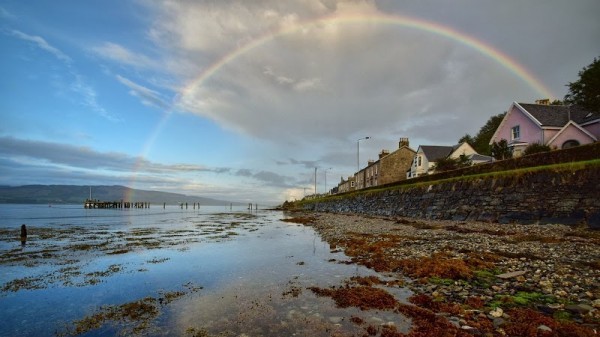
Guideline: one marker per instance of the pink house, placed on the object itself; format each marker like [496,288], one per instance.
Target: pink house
[558,126]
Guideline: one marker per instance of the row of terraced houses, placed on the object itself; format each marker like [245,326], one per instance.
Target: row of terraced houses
[558,126]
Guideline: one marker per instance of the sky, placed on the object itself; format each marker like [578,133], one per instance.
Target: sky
[242,100]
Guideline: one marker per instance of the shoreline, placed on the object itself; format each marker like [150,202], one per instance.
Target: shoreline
[553,270]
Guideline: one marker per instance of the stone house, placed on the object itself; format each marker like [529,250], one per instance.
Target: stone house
[388,168]
[558,126]
[359,179]
[426,157]
[372,172]
[393,166]
[346,185]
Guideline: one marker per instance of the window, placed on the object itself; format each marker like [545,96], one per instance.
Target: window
[352,184]
[515,132]
[570,143]
[419,161]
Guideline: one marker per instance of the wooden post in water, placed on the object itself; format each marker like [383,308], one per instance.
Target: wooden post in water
[164,205]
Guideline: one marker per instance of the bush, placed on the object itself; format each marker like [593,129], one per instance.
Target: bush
[536,148]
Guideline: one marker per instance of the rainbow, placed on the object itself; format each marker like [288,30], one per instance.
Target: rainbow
[372,18]
[384,19]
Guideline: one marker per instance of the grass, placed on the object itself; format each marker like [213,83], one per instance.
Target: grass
[407,184]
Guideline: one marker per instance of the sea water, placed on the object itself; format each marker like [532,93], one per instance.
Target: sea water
[199,272]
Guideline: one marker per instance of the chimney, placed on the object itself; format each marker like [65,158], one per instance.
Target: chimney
[383,153]
[544,101]
[403,142]
[370,162]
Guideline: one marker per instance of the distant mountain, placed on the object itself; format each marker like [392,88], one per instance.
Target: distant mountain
[73,194]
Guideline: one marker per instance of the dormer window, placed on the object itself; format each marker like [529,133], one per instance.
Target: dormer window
[515,132]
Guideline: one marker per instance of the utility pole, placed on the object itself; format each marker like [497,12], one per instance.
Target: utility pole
[315,181]
[326,180]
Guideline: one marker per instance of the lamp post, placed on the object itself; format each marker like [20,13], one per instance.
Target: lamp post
[358,152]
[326,179]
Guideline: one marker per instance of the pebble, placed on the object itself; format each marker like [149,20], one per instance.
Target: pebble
[562,266]
[498,312]
[544,328]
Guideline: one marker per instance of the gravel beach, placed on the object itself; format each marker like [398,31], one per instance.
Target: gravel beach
[488,269]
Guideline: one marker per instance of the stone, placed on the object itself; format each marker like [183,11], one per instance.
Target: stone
[593,220]
[544,328]
[513,274]
[596,303]
[496,313]
[581,309]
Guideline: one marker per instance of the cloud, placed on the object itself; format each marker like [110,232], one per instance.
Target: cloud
[49,162]
[147,96]
[86,93]
[89,97]
[42,44]
[325,81]
[6,14]
[85,158]
[117,53]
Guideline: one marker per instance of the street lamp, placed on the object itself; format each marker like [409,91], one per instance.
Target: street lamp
[326,179]
[358,152]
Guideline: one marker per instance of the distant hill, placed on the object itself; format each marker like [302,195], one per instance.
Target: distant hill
[73,194]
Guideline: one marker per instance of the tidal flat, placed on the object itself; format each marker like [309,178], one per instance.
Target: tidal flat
[181,273]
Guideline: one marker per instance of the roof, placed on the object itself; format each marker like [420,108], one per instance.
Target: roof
[434,152]
[479,157]
[558,115]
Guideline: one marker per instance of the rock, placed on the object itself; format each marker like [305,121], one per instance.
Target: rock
[596,303]
[513,274]
[498,322]
[454,321]
[544,328]
[496,313]
[335,319]
[581,309]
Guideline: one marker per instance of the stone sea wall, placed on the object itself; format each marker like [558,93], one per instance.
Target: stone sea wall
[570,197]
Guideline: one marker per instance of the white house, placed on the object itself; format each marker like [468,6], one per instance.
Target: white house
[426,157]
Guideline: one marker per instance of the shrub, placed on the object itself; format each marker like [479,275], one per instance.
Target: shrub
[536,148]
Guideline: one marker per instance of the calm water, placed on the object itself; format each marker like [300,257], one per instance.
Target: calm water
[232,272]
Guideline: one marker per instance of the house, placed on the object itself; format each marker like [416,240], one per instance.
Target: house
[372,173]
[388,168]
[427,156]
[346,185]
[393,165]
[558,126]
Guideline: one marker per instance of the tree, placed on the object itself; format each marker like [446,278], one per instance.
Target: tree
[467,138]
[481,142]
[448,164]
[586,90]
[500,150]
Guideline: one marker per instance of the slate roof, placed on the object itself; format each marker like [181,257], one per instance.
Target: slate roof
[479,157]
[558,115]
[434,152]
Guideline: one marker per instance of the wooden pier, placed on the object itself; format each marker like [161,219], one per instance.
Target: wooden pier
[92,203]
